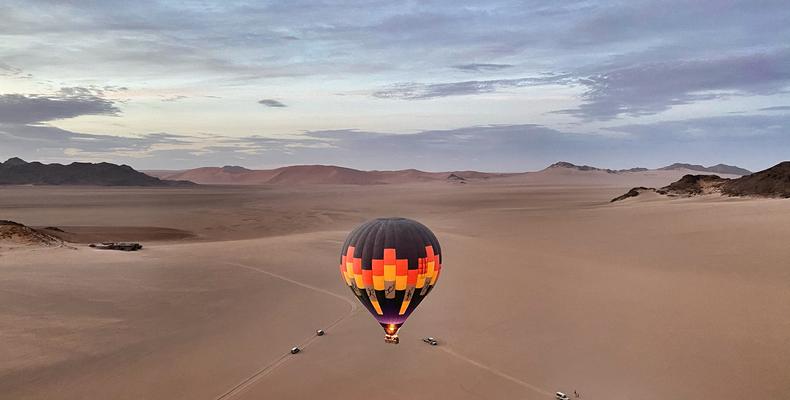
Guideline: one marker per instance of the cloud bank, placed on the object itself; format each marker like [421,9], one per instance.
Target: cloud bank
[489,148]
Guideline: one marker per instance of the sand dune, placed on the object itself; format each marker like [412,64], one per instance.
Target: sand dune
[16,234]
[302,174]
[561,173]
[546,288]
[311,174]
[91,234]
[218,176]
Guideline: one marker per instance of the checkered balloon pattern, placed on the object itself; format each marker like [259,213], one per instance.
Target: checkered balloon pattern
[391,264]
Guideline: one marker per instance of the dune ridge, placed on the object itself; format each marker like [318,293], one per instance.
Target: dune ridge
[313,174]
[561,172]
[14,233]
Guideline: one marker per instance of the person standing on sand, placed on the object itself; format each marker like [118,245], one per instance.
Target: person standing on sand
[576,394]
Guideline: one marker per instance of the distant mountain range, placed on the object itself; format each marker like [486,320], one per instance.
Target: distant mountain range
[565,164]
[16,171]
[716,169]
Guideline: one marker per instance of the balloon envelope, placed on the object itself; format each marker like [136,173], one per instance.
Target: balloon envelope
[391,264]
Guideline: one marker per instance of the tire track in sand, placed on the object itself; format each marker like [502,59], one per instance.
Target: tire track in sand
[265,370]
[495,371]
[353,308]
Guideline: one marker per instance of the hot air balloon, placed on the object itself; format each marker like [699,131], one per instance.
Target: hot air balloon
[391,264]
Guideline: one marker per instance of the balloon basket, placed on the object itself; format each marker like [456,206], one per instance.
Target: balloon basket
[393,339]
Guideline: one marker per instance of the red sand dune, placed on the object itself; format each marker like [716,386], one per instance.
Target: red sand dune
[310,174]
[557,174]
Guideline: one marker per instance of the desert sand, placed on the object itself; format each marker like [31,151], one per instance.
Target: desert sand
[546,286]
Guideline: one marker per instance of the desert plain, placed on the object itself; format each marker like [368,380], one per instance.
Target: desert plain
[546,286]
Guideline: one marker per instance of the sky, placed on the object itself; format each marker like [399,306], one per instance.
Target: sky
[433,85]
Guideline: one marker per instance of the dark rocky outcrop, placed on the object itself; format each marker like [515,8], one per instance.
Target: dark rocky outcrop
[19,234]
[692,185]
[16,171]
[455,178]
[631,193]
[772,182]
[122,246]
[235,169]
[565,164]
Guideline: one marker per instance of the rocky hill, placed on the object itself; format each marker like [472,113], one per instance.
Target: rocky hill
[716,169]
[13,233]
[16,171]
[772,182]
[565,164]
[692,185]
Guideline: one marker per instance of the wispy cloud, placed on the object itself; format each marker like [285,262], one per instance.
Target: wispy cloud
[423,91]
[67,103]
[170,99]
[33,141]
[745,127]
[9,70]
[775,108]
[643,89]
[482,67]
[271,103]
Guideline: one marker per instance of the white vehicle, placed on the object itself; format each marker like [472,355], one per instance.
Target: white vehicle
[319,332]
[561,396]
[430,341]
[295,350]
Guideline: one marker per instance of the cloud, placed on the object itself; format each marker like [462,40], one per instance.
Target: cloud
[217,39]
[174,98]
[68,103]
[634,89]
[423,91]
[271,103]
[750,141]
[644,89]
[775,108]
[482,67]
[51,142]
[741,127]
[9,70]
[628,59]
[487,147]
[754,142]
[598,41]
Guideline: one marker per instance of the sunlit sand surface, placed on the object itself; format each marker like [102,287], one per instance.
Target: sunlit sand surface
[546,287]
